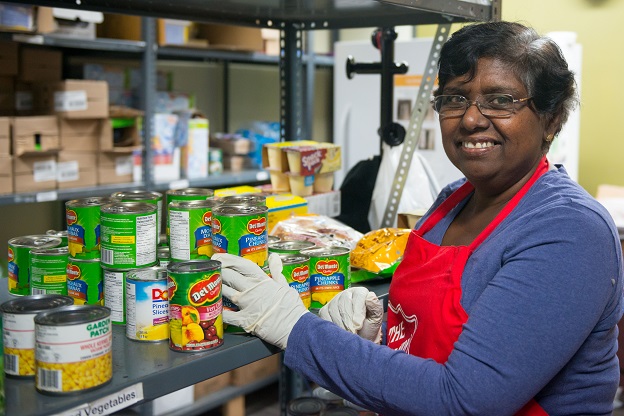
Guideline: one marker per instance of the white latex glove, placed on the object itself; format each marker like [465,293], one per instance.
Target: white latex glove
[356,310]
[269,308]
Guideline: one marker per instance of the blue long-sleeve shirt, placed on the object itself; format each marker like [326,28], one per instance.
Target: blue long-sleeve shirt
[543,294]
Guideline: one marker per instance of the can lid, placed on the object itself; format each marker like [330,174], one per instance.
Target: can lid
[129,208]
[305,406]
[291,245]
[325,251]
[54,251]
[91,201]
[240,209]
[35,303]
[191,192]
[274,239]
[70,315]
[194,266]
[246,199]
[148,273]
[55,233]
[293,259]
[137,195]
[340,411]
[35,241]
[194,203]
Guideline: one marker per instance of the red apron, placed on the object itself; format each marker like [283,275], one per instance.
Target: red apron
[425,316]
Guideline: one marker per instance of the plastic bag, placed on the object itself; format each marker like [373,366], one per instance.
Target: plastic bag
[319,229]
[420,190]
[380,250]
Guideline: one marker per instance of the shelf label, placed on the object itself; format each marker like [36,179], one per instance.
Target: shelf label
[181,184]
[67,171]
[46,196]
[108,404]
[44,171]
[70,101]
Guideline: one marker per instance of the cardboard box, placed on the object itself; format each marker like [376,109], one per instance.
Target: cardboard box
[6,174]
[115,168]
[237,190]
[34,173]
[76,169]
[409,219]
[122,133]
[40,65]
[271,41]
[5,136]
[82,135]
[238,38]
[71,23]
[211,385]
[7,96]
[8,59]
[194,155]
[75,98]
[236,163]
[24,99]
[232,144]
[283,206]
[173,32]
[168,31]
[36,134]
[256,370]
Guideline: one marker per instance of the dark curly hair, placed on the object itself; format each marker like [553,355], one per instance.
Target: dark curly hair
[536,60]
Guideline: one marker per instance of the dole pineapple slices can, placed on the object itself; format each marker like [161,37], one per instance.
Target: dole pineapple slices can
[296,270]
[330,273]
[149,197]
[48,271]
[241,230]
[129,236]
[186,194]
[83,226]
[19,260]
[195,305]
[147,305]
[84,281]
[190,229]
[73,349]
[18,330]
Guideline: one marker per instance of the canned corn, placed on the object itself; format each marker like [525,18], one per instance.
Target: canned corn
[129,235]
[147,305]
[329,273]
[83,226]
[48,271]
[19,260]
[149,197]
[18,330]
[190,230]
[73,349]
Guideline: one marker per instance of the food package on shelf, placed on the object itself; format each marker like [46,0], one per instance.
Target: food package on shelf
[378,253]
[319,229]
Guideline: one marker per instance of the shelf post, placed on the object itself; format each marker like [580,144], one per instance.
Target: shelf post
[291,83]
[148,96]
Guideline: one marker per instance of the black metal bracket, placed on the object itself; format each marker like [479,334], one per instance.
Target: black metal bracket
[383,39]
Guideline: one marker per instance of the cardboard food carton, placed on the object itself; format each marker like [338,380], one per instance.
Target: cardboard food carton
[6,174]
[76,169]
[34,173]
[5,136]
[115,168]
[75,98]
[35,135]
[82,135]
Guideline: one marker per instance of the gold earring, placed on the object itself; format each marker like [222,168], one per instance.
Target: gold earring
[550,137]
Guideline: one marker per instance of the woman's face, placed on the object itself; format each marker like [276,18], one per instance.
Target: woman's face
[495,152]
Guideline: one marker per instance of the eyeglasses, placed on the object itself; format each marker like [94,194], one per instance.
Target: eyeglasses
[490,105]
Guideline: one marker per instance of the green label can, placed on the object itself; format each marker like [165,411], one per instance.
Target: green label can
[243,199]
[129,235]
[296,270]
[164,256]
[195,305]
[330,273]
[48,271]
[190,232]
[19,260]
[69,341]
[290,246]
[147,305]
[186,194]
[18,330]
[60,234]
[84,281]
[241,230]
[149,197]
[115,293]
[83,226]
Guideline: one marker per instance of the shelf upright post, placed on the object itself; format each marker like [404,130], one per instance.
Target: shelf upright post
[291,83]
[148,96]
[309,85]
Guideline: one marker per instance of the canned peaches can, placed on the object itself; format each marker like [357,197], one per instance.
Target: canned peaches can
[195,305]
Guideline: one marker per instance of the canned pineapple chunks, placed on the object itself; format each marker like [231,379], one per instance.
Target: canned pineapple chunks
[241,230]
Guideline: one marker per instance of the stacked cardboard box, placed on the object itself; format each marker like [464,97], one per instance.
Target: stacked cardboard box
[6,163]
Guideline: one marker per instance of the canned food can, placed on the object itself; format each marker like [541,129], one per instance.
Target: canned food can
[245,199]
[60,234]
[149,197]
[164,256]
[19,260]
[129,235]
[48,271]
[190,232]
[329,273]
[195,305]
[215,160]
[18,330]
[290,246]
[84,281]
[296,270]
[241,230]
[273,239]
[342,411]
[306,406]
[73,349]
[186,194]
[147,305]
[83,226]
[115,293]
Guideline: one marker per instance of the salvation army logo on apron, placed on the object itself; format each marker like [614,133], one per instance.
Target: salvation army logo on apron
[402,334]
